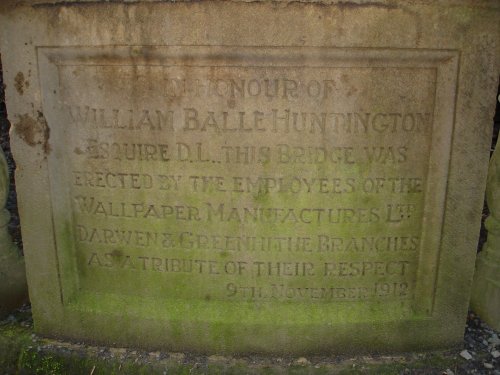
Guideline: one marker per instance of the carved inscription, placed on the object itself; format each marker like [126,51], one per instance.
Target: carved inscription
[248,182]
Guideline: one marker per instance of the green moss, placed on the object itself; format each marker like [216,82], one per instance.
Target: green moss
[428,363]
[21,354]
[35,361]
[12,340]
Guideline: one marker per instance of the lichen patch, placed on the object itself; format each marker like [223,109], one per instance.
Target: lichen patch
[20,83]
[33,131]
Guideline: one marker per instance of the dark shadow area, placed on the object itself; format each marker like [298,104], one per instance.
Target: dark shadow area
[14,227]
[496,121]
[496,128]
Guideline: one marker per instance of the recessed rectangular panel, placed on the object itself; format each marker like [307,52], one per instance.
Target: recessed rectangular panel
[248,174]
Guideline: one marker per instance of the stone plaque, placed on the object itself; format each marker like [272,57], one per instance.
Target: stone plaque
[251,175]
[219,197]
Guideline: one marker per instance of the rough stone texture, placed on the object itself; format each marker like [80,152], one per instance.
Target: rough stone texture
[13,287]
[182,203]
[485,298]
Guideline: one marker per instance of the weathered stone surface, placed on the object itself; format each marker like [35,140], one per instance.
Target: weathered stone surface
[485,298]
[13,287]
[251,177]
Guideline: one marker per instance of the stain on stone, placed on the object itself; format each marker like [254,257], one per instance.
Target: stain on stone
[323,3]
[24,128]
[347,4]
[34,131]
[20,83]
[373,4]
